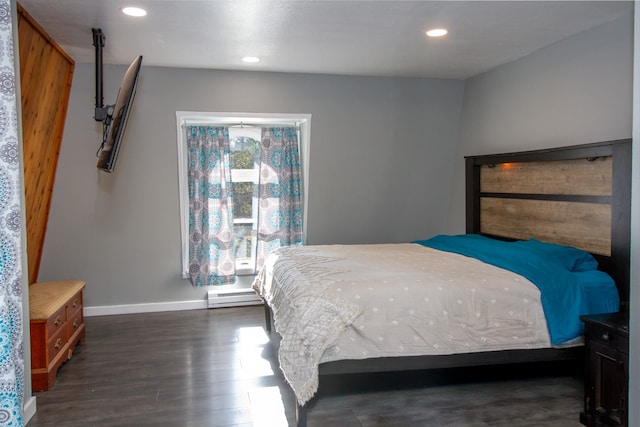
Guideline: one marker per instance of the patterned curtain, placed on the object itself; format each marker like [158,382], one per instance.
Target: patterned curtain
[211,243]
[279,192]
[11,325]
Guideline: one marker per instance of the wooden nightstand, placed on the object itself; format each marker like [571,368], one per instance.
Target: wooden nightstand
[607,369]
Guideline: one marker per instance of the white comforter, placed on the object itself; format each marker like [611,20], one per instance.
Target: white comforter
[340,302]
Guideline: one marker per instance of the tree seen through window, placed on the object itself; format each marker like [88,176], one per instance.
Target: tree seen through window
[245,160]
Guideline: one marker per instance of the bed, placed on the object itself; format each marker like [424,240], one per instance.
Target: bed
[341,309]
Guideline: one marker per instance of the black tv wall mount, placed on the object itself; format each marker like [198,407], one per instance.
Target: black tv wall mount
[103,113]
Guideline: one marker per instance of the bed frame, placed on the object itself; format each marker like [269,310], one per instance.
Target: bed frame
[578,196]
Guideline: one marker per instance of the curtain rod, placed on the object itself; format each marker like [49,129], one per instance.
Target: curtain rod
[240,125]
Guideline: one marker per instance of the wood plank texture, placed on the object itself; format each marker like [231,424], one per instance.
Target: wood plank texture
[591,177]
[580,224]
[584,225]
[46,72]
[217,368]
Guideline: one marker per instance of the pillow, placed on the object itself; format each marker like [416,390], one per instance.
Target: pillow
[573,259]
[599,290]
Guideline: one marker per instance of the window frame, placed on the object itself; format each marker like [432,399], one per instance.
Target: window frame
[184,118]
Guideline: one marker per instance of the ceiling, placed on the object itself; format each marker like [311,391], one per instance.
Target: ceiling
[346,37]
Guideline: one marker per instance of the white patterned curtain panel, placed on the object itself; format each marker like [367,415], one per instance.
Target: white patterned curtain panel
[280,209]
[211,238]
[11,336]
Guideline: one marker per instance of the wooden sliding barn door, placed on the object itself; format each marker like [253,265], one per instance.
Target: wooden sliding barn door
[46,72]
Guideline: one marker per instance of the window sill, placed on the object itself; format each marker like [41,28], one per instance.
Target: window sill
[243,273]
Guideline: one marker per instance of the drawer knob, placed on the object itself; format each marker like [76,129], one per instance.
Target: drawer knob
[75,303]
[607,336]
[75,323]
[57,321]
[58,343]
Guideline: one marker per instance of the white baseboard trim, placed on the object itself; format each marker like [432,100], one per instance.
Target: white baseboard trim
[109,310]
[29,410]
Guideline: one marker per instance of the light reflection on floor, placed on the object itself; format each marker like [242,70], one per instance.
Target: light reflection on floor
[252,336]
[251,342]
[267,408]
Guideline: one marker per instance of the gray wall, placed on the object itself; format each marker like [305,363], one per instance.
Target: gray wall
[573,92]
[381,149]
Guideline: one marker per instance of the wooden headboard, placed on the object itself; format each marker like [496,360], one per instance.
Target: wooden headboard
[577,196]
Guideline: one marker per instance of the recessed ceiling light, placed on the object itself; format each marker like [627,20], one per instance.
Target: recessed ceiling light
[251,59]
[437,32]
[134,11]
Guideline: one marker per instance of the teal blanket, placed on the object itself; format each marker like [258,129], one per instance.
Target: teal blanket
[568,278]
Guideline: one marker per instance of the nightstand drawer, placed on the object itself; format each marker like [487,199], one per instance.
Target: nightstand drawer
[602,336]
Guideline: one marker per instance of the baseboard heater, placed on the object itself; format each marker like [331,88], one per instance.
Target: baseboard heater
[219,299]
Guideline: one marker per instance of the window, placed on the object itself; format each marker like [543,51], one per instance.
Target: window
[245,162]
[244,138]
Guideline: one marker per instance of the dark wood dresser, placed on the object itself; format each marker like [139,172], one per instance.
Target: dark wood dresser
[606,369]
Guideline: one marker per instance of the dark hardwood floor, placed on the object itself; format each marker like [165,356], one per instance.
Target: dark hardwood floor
[216,368]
